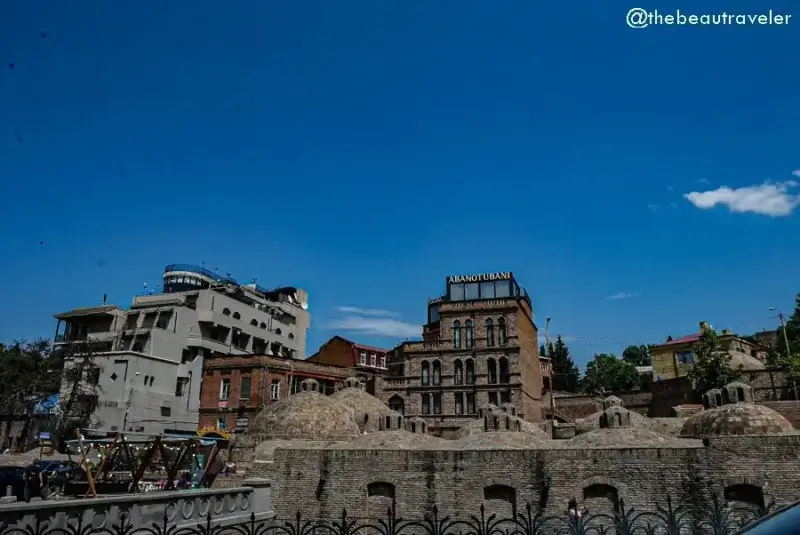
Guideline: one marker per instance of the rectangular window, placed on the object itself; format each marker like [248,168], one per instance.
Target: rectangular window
[459,403]
[245,388]
[166,411]
[224,389]
[383,361]
[505,396]
[437,404]
[179,386]
[502,289]
[362,358]
[275,390]
[493,398]
[456,292]
[221,423]
[684,357]
[426,404]
[470,403]
[373,360]
[471,291]
[487,290]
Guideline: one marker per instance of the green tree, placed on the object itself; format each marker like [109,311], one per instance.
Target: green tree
[607,373]
[542,351]
[637,355]
[790,334]
[566,375]
[712,364]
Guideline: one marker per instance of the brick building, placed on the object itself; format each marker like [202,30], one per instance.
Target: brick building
[235,388]
[366,361]
[479,346]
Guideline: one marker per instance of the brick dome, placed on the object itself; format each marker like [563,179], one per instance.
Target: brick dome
[398,439]
[501,440]
[307,415]
[626,437]
[511,422]
[369,411]
[736,419]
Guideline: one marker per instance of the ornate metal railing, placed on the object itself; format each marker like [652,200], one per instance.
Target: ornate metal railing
[715,518]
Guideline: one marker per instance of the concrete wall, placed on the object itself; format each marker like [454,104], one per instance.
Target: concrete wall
[183,508]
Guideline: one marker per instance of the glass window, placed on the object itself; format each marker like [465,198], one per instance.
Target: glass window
[471,291]
[456,334]
[489,332]
[502,289]
[487,290]
[493,398]
[458,378]
[437,404]
[459,403]
[426,404]
[516,290]
[685,357]
[470,339]
[456,292]
[433,313]
[471,403]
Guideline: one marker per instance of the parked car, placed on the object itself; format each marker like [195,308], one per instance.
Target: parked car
[784,521]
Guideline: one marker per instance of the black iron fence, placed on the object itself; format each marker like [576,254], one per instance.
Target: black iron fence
[714,518]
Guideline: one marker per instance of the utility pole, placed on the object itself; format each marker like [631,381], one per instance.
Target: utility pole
[550,368]
[782,319]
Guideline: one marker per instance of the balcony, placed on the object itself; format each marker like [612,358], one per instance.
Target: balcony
[197,340]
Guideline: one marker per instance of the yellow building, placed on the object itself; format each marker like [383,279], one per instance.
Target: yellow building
[676,357]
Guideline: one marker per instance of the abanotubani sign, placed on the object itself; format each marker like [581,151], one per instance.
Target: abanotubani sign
[484,277]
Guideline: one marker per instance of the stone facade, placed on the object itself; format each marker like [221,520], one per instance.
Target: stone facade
[444,380]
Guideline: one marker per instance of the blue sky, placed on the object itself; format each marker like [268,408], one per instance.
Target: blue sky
[365,150]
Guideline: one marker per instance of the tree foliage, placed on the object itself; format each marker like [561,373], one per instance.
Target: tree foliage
[607,373]
[637,355]
[566,375]
[790,360]
[712,364]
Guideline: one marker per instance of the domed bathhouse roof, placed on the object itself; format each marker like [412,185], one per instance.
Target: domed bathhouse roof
[499,440]
[730,411]
[307,415]
[398,439]
[621,428]
[369,411]
[593,421]
[492,418]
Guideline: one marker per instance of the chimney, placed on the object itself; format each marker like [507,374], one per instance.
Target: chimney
[703,326]
[105,298]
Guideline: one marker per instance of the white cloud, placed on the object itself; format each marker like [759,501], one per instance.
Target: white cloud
[703,181]
[367,311]
[796,173]
[622,295]
[375,326]
[767,199]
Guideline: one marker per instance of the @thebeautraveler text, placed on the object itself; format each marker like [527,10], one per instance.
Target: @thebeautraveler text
[638,17]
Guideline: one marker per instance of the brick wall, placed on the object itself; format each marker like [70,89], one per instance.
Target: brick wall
[324,482]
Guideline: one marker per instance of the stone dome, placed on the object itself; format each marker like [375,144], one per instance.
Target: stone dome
[369,411]
[479,426]
[398,439]
[501,440]
[745,362]
[612,412]
[736,419]
[307,415]
[626,437]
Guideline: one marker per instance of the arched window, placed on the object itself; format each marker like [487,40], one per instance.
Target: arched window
[501,331]
[226,312]
[491,367]
[397,404]
[456,334]
[500,500]
[470,339]
[237,316]
[489,332]
[504,375]
[426,373]
[458,376]
[601,498]
[437,372]
[470,372]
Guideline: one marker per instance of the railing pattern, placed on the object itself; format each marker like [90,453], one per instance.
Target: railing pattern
[715,518]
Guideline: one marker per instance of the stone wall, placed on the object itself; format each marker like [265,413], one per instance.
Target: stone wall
[324,482]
